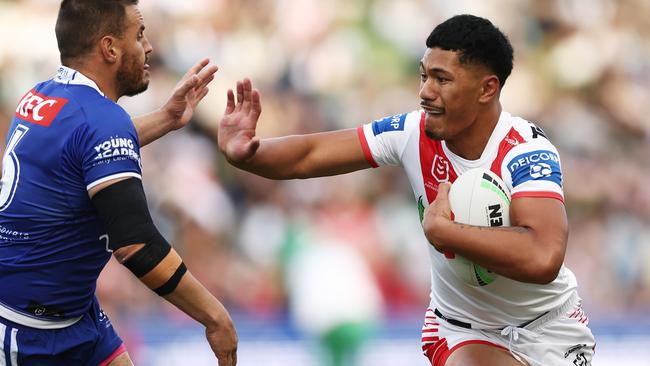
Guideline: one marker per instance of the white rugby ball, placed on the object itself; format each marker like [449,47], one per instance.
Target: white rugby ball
[478,197]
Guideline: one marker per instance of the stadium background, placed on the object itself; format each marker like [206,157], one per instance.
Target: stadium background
[291,260]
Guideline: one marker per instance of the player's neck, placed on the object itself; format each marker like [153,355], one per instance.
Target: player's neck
[103,77]
[472,142]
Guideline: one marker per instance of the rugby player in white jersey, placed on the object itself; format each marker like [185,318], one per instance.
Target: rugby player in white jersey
[531,314]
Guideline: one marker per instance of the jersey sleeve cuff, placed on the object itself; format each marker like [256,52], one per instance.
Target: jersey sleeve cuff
[366,147]
[554,195]
[111,177]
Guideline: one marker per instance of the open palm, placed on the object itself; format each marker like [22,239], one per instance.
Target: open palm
[189,92]
[236,133]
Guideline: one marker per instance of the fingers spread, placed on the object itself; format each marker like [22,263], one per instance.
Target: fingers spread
[202,94]
[240,94]
[247,90]
[230,102]
[206,75]
[187,85]
[256,105]
[196,68]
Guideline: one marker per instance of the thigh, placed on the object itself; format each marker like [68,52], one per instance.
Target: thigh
[444,344]
[481,355]
[121,360]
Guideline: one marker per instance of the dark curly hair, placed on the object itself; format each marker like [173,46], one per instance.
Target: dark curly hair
[476,40]
[81,23]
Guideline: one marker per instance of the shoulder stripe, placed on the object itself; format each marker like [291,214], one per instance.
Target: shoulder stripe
[512,139]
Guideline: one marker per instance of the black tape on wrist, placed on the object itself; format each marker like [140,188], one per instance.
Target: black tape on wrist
[173,281]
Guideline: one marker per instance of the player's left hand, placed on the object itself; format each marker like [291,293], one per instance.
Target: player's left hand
[437,215]
[187,94]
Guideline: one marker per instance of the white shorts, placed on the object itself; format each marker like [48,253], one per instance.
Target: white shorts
[560,337]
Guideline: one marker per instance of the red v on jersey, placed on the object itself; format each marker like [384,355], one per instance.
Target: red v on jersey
[436,167]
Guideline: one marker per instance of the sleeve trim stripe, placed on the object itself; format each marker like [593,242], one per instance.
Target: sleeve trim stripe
[366,147]
[555,195]
[111,177]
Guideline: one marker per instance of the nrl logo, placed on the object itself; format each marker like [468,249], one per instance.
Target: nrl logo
[440,169]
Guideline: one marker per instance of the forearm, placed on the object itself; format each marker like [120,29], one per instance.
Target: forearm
[197,302]
[307,156]
[152,126]
[516,252]
[188,295]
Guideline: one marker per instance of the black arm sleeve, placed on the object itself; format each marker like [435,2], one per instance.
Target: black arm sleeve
[123,209]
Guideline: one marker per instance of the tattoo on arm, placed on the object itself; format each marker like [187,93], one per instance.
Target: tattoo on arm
[515,229]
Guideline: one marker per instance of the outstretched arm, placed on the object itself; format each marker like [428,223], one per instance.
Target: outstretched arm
[180,106]
[288,157]
[137,244]
[531,250]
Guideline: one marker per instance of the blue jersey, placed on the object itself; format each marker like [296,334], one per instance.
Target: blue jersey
[65,138]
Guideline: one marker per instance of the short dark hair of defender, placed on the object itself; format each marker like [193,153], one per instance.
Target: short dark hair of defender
[81,23]
[476,40]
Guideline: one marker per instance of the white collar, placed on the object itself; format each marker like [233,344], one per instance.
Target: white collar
[66,75]
[500,130]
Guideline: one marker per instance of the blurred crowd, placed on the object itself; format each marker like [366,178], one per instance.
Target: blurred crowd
[582,72]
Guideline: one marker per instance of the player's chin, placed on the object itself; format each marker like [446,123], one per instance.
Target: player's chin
[137,89]
[434,127]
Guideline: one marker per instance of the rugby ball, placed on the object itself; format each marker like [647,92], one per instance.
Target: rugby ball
[478,197]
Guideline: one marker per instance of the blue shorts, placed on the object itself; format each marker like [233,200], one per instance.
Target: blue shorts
[91,341]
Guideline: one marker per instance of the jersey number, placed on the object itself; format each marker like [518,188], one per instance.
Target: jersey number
[11,168]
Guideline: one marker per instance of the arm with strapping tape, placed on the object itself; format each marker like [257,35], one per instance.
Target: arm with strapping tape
[137,244]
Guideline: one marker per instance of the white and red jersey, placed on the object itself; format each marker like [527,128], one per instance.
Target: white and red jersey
[519,153]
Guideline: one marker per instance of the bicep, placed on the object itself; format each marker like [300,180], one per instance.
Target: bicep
[545,217]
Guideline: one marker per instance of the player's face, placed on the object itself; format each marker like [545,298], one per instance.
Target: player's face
[133,73]
[449,93]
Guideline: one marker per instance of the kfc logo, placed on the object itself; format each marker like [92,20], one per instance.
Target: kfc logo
[38,108]
[440,169]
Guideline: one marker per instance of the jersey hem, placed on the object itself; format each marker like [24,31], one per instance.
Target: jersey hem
[366,148]
[29,321]
[111,177]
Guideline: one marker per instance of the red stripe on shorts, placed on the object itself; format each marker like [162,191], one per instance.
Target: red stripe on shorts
[121,349]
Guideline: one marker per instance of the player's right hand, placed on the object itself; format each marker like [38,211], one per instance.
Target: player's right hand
[222,338]
[236,133]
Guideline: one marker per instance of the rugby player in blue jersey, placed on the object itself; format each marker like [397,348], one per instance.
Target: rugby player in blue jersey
[72,194]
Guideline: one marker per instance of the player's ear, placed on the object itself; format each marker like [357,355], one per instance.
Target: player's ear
[490,87]
[108,48]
